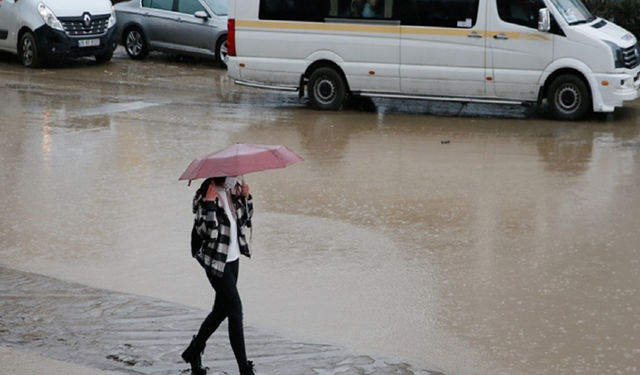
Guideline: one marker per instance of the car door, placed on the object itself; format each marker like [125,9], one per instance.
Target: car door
[8,25]
[159,22]
[194,34]
[443,47]
[519,53]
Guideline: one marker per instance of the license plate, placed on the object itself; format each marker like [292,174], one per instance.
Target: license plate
[88,42]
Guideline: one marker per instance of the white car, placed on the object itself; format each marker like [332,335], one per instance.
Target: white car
[42,30]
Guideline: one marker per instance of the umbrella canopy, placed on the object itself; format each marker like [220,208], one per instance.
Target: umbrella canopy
[240,159]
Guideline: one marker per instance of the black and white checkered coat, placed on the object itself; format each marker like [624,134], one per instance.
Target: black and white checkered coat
[212,226]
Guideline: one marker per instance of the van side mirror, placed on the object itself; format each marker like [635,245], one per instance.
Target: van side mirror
[544,20]
[201,14]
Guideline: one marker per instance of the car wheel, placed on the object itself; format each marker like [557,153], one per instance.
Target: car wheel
[29,53]
[103,58]
[569,98]
[326,89]
[222,54]
[135,44]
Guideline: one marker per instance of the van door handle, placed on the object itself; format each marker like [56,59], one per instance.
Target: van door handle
[474,35]
[501,36]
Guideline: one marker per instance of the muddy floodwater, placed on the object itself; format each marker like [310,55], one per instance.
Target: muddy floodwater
[466,240]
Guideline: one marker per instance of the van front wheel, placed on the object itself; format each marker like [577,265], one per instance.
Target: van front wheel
[326,89]
[104,57]
[569,98]
[29,52]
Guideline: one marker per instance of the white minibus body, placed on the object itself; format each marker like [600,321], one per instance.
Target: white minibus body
[496,51]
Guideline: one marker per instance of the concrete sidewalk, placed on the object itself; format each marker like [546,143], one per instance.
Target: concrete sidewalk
[14,362]
[69,328]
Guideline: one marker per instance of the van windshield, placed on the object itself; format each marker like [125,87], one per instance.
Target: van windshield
[573,11]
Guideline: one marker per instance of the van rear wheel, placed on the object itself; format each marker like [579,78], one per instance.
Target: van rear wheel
[326,89]
[569,98]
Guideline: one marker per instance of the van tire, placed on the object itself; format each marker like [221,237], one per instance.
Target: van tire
[105,57]
[569,98]
[326,89]
[135,43]
[222,56]
[29,52]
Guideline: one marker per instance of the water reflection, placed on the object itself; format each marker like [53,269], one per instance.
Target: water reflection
[508,217]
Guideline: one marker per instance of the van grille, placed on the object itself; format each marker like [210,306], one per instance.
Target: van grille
[75,26]
[631,56]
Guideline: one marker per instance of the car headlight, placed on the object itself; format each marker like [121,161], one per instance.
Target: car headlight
[618,58]
[49,18]
[112,19]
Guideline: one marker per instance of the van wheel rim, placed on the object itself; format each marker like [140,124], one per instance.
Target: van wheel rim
[27,51]
[134,43]
[568,98]
[325,90]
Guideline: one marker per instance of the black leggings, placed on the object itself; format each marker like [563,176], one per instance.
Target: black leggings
[227,305]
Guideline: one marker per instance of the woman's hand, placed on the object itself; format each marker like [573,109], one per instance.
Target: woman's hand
[245,190]
[212,193]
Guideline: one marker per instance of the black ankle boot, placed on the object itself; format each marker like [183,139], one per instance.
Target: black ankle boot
[249,370]
[193,356]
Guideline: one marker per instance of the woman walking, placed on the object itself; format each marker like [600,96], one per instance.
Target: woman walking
[223,209]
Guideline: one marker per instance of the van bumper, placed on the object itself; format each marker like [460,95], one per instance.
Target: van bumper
[233,71]
[620,88]
[54,44]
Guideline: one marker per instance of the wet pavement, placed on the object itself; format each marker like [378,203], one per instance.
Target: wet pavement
[419,235]
[139,335]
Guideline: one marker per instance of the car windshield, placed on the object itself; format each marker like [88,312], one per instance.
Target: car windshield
[219,7]
[573,11]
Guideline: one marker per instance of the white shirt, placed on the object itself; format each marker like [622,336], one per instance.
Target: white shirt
[234,250]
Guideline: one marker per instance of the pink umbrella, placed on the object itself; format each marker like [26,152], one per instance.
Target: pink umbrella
[240,159]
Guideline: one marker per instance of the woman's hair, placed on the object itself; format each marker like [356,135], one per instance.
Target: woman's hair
[202,190]
[219,181]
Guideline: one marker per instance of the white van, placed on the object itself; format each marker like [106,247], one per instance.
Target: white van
[41,30]
[496,51]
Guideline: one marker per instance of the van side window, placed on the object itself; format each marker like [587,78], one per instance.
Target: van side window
[294,10]
[520,12]
[319,10]
[162,4]
[189,6]
[380,9]
[146,3]
[438,13]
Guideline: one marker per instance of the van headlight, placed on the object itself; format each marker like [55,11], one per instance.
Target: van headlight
[49,18]
[618,58]
[112,19]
